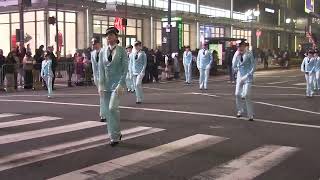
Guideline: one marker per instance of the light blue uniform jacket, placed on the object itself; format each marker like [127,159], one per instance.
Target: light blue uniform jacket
[245,68]
[95,67]
[112,74]
[46,68]
[187,58]
[138,65]
[317,68]
[204,61]
[308,65]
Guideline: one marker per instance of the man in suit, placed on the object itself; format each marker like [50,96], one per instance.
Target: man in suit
[139,64]
[204,62]
[96,45]
[50,50]
[113,68]
[308,67]
[187,64]
[244,64]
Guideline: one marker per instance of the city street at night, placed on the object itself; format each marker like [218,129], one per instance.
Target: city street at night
[179,132]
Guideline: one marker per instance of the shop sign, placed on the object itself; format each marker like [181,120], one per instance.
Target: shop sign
[269,10]
[118,23]
[309,6]
[258,33]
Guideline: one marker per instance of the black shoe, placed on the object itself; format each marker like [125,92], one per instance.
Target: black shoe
[138,102]
[103,120]
[115,143]
[250,118]
[239,115]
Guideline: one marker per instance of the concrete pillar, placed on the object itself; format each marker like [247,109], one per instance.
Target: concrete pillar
[146,33]
[152,33]
[193,34]
[82,30]
[228,31]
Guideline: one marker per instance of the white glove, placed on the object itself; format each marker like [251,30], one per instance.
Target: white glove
[243,79]
[119,90]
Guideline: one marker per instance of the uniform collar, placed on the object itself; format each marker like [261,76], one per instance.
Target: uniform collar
[112,47]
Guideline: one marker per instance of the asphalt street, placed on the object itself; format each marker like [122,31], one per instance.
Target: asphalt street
[178,133]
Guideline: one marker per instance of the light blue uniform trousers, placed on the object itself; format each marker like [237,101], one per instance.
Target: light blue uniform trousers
[204,76]
[48,80]
[137,80]
[110,109]
[129,82]
[188,72]
[243,97]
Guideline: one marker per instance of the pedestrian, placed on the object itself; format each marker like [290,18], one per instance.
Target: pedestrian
[79,68]
[139,63]
[96,45]
[2,62]
[244,63]
[229,56]
[204,62]
[317,69]
[10,71]
[70,68]
[187,64]
[308,67]
[47,73]
[28,67]
[113,67]
[154,68]
[176,65]
[37,61]
[129,77]
[54,64]
[21,53]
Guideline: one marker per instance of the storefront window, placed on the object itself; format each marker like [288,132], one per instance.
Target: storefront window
[41,34]
[69,39]
[4,18]
[29,16]
[5,38]
[15,17]
[70,17]
[240,33]
[40,16]
[30,35]
[211,32]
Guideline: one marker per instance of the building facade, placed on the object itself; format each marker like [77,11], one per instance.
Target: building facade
[79,20]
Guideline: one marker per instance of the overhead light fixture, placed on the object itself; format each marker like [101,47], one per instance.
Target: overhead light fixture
[269,10]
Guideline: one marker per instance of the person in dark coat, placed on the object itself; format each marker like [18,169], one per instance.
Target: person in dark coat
[2,61]
[229,56]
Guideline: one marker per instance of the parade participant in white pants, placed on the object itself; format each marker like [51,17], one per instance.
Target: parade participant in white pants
[46,72]
[317,70]
[308,67]
[187,64]
[129,78]
[96,45]
[113,68]
[139,64]
[244,64]
[204,62]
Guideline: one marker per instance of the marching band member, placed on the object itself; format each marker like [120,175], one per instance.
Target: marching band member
[243,63]
[129,78]
[204,62]
[139,64]
[113,68]
[308,67]
[187,63]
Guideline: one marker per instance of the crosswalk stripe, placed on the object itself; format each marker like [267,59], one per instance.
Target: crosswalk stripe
[20,159]
[249,165]
[27,121]
[137,162]
[3,115]
[48,132]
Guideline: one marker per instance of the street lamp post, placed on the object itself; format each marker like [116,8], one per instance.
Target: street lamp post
[169,26]
[57,28]
[21,13]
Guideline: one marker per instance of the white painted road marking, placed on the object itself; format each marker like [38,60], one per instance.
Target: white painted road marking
[137,162]
[300,84]
[286,107]
[27,121]
[10,138]
[278,87]
[3,115]
[280,82]
[204,94]
[250,165]
[20,159]
[165,110]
